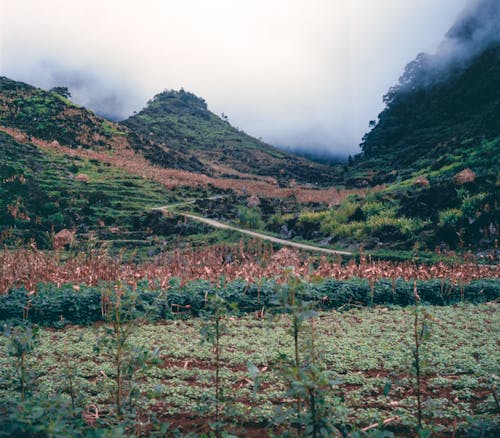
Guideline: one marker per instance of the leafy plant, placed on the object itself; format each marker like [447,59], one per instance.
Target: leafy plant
[307,384]
[212,330]
[129,360]
[40,416]
[22,341]
[421,334]
[250,217]
[70,386]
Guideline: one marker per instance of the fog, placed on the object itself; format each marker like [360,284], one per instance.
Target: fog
[306,74]
[476,28]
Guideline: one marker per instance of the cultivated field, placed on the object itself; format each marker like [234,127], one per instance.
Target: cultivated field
[28,267]
[361,364]
[249,341]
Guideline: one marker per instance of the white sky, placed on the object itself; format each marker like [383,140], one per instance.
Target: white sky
[308,73]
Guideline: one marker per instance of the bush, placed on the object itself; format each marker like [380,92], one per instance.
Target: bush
[53,306]
[65,305]
[451,217]
[250,218]
[40,416]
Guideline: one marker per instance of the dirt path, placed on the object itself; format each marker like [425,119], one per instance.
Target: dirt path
[217,224]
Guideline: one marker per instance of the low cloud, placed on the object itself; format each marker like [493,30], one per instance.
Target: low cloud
[476,29]
[297,73]
[105,96]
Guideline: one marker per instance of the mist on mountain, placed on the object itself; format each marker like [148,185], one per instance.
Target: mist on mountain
[476,29]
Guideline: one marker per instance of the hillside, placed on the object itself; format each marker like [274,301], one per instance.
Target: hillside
[435,146]
[50,116]
[44,191]
[182,121]
[63,167]
[174,131]
[441,127]
[159,133]
[444,114]
[428,176]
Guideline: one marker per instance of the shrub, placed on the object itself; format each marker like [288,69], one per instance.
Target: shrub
[250,217]
[450,217]
[53,306]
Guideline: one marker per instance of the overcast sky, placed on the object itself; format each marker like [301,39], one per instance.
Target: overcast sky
[298,73]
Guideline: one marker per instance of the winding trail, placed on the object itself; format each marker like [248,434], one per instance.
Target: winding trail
[217,224]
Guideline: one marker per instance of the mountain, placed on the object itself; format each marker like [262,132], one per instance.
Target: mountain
[174,131]
[64,167]
[50,116]
[182,121]
[427,177]
[444,114]
[436,147]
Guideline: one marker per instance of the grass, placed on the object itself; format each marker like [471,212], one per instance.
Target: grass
[366,349]
[111,130]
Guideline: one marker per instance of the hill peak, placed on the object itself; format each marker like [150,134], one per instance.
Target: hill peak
[182,121]
[180,102]
[179,99]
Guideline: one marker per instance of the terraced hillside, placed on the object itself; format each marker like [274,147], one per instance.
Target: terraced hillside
[44,191]
[50,116]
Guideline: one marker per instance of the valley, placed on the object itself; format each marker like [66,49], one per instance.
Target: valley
[170,275]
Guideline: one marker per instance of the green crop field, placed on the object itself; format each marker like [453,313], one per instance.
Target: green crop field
[366,355]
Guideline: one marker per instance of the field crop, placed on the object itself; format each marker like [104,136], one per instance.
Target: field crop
[366,352]
[28,267]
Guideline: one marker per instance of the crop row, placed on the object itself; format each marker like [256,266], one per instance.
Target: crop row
[27,268]
[80,304]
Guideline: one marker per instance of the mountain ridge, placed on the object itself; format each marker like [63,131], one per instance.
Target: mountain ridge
[50,116]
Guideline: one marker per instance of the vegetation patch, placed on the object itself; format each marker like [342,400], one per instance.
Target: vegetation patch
[366,355]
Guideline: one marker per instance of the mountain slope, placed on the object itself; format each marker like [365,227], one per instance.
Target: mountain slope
[175,131]
[436,147]
[44,191]
[63,167]
[48,115]
[444,113]
[182,121]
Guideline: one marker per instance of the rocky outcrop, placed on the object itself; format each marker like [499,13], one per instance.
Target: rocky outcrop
[82,177]
[253,201]
[421,181]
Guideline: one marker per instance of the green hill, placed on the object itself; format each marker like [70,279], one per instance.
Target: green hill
[50,116]
[182,121]
[43,192]
[439,128]
[444,114]
[175,131]
[60,168]
[442,118]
